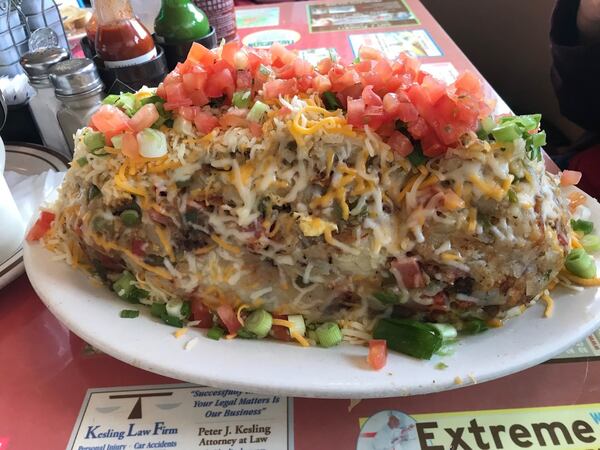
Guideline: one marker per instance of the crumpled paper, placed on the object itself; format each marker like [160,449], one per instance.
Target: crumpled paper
[32,191]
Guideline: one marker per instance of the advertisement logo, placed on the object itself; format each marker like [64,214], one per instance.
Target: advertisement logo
[389,430]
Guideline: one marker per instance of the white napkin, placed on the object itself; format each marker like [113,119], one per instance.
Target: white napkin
[32,191]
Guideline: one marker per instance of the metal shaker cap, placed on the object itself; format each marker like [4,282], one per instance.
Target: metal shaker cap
[74,76]
[37,63]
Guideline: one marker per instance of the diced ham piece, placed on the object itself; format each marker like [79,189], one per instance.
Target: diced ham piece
[408,272]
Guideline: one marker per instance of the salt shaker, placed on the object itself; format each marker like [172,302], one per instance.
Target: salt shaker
[79,88]
[44,105]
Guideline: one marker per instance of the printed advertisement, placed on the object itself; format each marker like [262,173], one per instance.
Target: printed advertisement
[574,427]
[266,38]
[314,55]
[414,42]
[257,17]
[181,416]
[588,348]
[359,14]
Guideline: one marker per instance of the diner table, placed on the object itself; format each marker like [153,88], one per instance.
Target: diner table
[55,388]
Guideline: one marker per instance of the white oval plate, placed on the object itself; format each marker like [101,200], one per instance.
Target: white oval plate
[27,159]
[92,313]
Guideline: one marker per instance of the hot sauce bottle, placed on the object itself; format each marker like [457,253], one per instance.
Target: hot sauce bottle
[121,40]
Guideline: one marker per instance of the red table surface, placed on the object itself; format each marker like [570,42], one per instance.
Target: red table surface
[45,370]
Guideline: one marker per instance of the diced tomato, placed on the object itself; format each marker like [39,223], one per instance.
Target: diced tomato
[160,91]
[111,119]
[285,72]
[370,97]
[321,83]
[431,145]
[220,83]
[244,80]
[229,318]
[304,83]
[229,51]
[408,272]
[400,143]
[433,88]
[198,98]
[201,313]
[130,147]
[172,106]
[391,104]
[373,117]
[418,128]
[194,81]
[377,357]
[200,54]
[365,52]
[172,78]
[324,66]
[187,112]
[234,118]
[347,79]
[279,52]
[356,112]
[256,129]
[41,226]
[439,302]
[279,332]
[137,247]
[363,66]
[175,92]
[469,82]
[254,61]
[144,117]
[275,88]
[205,122]
[570,177]
[302,67]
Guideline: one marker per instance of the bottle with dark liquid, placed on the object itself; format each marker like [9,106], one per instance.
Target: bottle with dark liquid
[121,38]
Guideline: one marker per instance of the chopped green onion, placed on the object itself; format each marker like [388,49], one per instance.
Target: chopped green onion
[526,122]
[152,143]
[474,326]
[183,126]
[417,339]
[581,264]
[245,334]
[129,313]
[93,192]
[94,140]
[264,70]
[387,297]
[259,322]
[110,99]
[585,226]
[506,132]
[447,331]
[328,334]
[99,152]
[215,333]
[125,288]
[241,99]
[174,308]
[257,112]
[417,157]
[537,139]
[128,103]
[82,161]
[117,141]
[356,60]
[512,196]
[330,100]
[487,124]
[158,309]
[186,310]
[130,217]
[591,243]
[441,366]
[172,321]
[152,99]
[298,324]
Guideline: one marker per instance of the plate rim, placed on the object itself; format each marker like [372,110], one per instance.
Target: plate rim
[16,266]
